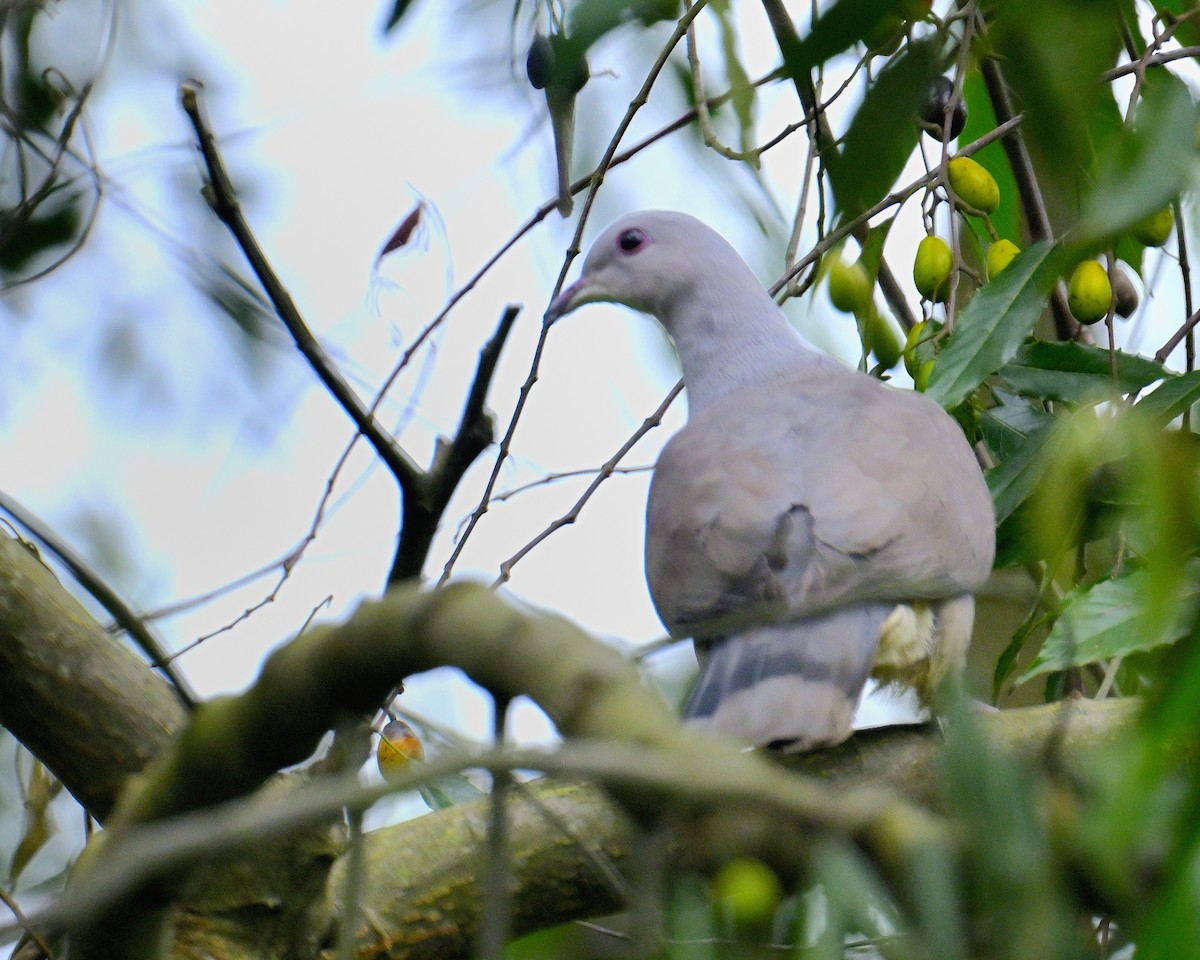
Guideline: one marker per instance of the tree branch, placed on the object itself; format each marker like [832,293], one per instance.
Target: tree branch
[475,433]
[222,197]
[104,595]
[84,704]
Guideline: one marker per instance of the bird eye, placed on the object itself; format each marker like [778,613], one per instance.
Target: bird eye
[630,241]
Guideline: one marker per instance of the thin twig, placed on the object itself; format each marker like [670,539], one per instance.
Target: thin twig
[223,200]
[596,179]
[1166,349]
[835,237]
[451,461]
[1136,66]
[603,474]
[496,919]
[23,921]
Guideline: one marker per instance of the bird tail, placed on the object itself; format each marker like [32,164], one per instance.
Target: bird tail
[794,686]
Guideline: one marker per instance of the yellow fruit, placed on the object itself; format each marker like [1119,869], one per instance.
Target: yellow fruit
[1000,254]
[931,269]
[1088,292]
[849,286]
[973,185]
[398,747]
[1155,230]
[748,890]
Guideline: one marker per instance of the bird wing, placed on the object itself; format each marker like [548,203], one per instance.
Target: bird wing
[811,491]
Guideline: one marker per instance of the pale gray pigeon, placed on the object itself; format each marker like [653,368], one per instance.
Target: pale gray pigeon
[810,526]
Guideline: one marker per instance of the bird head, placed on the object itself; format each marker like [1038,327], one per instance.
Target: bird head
[645,260]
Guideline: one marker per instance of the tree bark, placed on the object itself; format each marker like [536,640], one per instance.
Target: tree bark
[81,701]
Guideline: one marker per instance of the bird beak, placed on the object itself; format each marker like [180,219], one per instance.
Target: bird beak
[573,296]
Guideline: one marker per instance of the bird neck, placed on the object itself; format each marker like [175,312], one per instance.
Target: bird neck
[730,339]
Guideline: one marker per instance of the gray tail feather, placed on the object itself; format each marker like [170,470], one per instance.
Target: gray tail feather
[792,685]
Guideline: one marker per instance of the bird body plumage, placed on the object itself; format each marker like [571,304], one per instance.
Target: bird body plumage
[810,524]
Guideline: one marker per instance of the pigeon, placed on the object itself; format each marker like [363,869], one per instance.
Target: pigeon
[810,526]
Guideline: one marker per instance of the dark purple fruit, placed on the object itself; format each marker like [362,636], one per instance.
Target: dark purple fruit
[539,64]
[933,110]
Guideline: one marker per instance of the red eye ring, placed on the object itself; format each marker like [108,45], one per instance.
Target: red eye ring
[631,240]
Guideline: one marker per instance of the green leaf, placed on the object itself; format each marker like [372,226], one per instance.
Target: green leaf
[1111,619]
[992,327]
[1015,478]
[740,88]
[884,131]
[1076,373]
[1005,427]
[1053,56]
[1173,397]
[872,248]
[449,790]
[1147,166]
[839,28]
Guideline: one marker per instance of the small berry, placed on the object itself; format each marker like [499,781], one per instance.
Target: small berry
[749,891]
[933,110]
[1155,230]
[973,185]
[1125,295]
[398,747]
[931,269]
[1089,293]
[1000,254]
[849,286]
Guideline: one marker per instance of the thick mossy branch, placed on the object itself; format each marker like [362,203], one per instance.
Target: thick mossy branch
[720,799]
[423,874]
[79,700]
[333,672]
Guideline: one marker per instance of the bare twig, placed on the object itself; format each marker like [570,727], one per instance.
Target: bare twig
[451,461]
[596,179]
[602,474]
[23,921]
[848,228]
[1177,337]
[223,199]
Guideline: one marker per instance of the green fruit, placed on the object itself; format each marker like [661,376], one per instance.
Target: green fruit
[912,360]
[880,339]
[973,185]
[748,890]
[931,269]
[921,380]
[1000,254]
[1089,293]
[1155,230]
[849,286]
